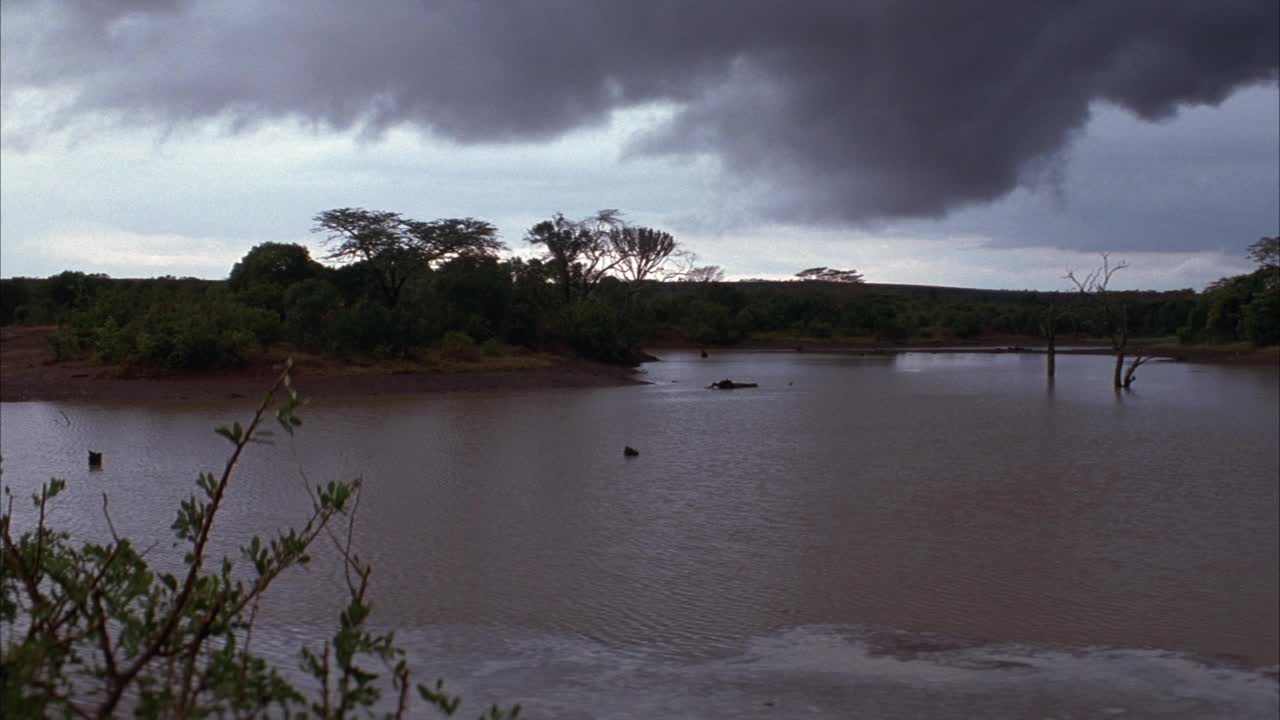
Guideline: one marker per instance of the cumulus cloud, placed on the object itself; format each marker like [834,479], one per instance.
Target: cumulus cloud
[845,111]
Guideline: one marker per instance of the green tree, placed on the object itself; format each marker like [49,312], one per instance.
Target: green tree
[1266,252]
[1261,321]
[276,264]
[476,294]
[310,309]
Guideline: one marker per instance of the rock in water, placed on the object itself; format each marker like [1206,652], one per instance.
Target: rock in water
[95,460]
[629,451]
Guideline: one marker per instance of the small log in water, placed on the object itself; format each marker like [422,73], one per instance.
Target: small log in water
[727,384]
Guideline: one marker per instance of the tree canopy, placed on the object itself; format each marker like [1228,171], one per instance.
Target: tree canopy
[1266,252]
[642,252]
[280,264]
[826,274]
[395,247]
[578,251]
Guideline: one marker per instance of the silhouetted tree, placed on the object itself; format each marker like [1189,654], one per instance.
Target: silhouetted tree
[1266,252]
[578,251]
[825,274]
[439,241]
[703,274]
[642,252]
[395,248]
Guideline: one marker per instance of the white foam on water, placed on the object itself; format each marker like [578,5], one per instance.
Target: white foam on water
[831,672]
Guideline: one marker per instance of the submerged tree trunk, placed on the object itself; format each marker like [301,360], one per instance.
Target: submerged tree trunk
[1049,328]
[1119,367]
[1136,363]
[1050,357]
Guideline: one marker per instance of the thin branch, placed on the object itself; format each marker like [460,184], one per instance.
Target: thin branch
[104,640]
[110,525]
[244,653]
[402,704]
[197,554]
[324,683]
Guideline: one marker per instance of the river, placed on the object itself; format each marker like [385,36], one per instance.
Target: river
[916,535]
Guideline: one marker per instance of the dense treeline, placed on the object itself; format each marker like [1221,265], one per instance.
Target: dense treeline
[1244,308]
[407,286]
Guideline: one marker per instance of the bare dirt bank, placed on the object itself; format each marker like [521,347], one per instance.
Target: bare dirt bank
[28,372]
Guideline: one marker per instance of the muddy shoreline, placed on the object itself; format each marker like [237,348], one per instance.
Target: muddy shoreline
[29,373]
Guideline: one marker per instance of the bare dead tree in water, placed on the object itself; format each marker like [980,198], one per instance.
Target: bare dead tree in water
[1049,322]
[1114,315]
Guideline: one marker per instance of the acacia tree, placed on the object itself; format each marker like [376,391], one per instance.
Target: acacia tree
[395,248]
[578,251]
[703,274]
[1114,315]
[373,238]
[439,241]
[825,274]
[644,252]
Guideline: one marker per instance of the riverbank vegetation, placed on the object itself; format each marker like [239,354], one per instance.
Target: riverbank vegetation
[392,287]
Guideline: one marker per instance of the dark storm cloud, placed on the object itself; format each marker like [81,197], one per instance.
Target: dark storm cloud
[847,111]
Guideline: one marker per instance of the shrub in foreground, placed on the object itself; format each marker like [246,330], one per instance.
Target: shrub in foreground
[95,630]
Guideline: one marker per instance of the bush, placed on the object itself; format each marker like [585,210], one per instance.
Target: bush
[113,343]
[310,309]
[370,327]
[1262,318]
[459,346]
[194,337]
[96,630]
[67,343]
[709,322]
[264,325]
[594,331]
[964,323]
[891,328]
[820,329]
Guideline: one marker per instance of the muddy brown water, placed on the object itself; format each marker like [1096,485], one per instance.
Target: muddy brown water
[901,536]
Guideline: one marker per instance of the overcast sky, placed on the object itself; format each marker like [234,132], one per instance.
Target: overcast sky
[988,144]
